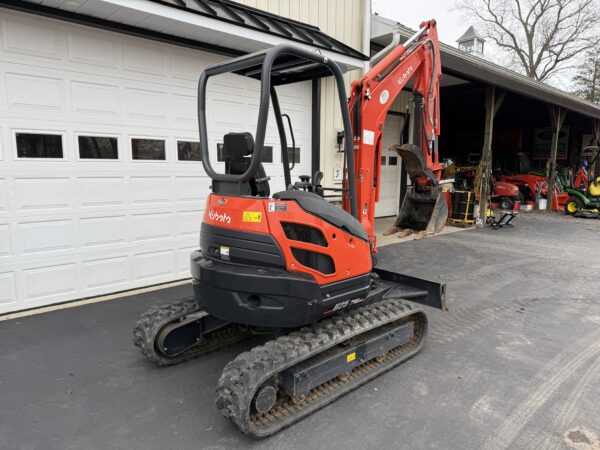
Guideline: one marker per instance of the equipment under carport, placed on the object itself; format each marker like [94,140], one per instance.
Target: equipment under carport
[463,208]
[584,196]
[504,219]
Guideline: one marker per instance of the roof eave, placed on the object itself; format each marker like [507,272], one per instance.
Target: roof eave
[481,70]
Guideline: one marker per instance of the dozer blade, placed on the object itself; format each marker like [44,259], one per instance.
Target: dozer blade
[422,209]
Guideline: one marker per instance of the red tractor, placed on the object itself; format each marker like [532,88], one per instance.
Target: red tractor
[505,195]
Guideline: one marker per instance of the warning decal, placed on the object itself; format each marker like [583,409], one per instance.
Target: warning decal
[252,216]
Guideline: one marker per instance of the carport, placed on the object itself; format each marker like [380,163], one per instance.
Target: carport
[497,113]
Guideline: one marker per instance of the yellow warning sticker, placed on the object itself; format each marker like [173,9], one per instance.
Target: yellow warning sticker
[351,357]
[252,216]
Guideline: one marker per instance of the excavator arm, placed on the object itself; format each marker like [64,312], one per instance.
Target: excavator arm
[418,59]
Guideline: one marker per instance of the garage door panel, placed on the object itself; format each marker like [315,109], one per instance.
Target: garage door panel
[95,99]
[42,193]
[105,272]
[42,236]
[31,38]
[187,67]
[49,281]
[187,223]
[144,59]
[150,189]
[99,191]
[94,50]
[5,240]
[8,290]
[3,195]
[184,109]
[151,226]
[192,189]
[96,231]
[227,82]
[147,104]
[34,92]
[227,114]
[153,264]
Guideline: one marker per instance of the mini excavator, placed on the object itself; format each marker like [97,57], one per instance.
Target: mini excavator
[294,265]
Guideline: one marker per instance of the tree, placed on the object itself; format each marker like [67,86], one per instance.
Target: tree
[541,36]
[587,77]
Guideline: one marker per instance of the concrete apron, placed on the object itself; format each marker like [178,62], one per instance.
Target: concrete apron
[384,223]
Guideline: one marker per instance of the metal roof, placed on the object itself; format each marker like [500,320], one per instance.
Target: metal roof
[238,14]
[470,34]
[471,67]
[217,26]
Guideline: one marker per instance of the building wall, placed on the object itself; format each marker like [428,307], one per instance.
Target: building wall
[340,19]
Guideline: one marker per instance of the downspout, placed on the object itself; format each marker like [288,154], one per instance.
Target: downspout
[366,34]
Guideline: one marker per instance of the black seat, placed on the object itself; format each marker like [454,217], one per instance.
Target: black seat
[237,149]
[317,205]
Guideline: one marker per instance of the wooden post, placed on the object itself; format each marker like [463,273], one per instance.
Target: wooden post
[492,105]
[557,116]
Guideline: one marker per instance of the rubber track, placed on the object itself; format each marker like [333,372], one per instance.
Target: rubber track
[147,327]
[242,377]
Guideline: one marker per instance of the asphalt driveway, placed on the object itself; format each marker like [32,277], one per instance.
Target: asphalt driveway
[514,364]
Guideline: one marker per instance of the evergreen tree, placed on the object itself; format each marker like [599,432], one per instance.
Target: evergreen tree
[587,79]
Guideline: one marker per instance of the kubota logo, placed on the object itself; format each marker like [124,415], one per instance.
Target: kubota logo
[213,215]
[406,75]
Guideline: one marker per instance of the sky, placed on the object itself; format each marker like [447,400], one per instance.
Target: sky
[411,13]
[451,24]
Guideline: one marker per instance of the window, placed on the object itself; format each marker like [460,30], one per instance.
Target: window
[267,153]
[383,160]
[189,151]
[31,145]
[148,149]
[393,161]
[295,158]
[98,147]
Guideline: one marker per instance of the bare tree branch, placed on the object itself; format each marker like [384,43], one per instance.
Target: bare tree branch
[542,35]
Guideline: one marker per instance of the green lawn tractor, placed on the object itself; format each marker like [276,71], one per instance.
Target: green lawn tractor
[584,196]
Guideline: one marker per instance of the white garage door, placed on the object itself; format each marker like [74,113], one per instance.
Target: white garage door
[99,187]
[389,191]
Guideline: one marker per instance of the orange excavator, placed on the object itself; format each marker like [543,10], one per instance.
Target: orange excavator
[293,265]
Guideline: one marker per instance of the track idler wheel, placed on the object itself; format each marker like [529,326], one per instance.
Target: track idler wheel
[177,332]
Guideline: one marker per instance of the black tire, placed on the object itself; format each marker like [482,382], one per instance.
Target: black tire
[506,203]
[573,205]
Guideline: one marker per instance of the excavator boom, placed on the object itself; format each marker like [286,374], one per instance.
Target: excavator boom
[418,59]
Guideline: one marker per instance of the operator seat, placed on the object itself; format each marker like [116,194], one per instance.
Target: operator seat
[237,149]
[318,206]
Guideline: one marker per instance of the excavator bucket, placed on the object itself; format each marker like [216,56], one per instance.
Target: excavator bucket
[423,208]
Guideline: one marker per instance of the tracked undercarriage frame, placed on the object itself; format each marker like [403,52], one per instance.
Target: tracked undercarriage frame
[276,384]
